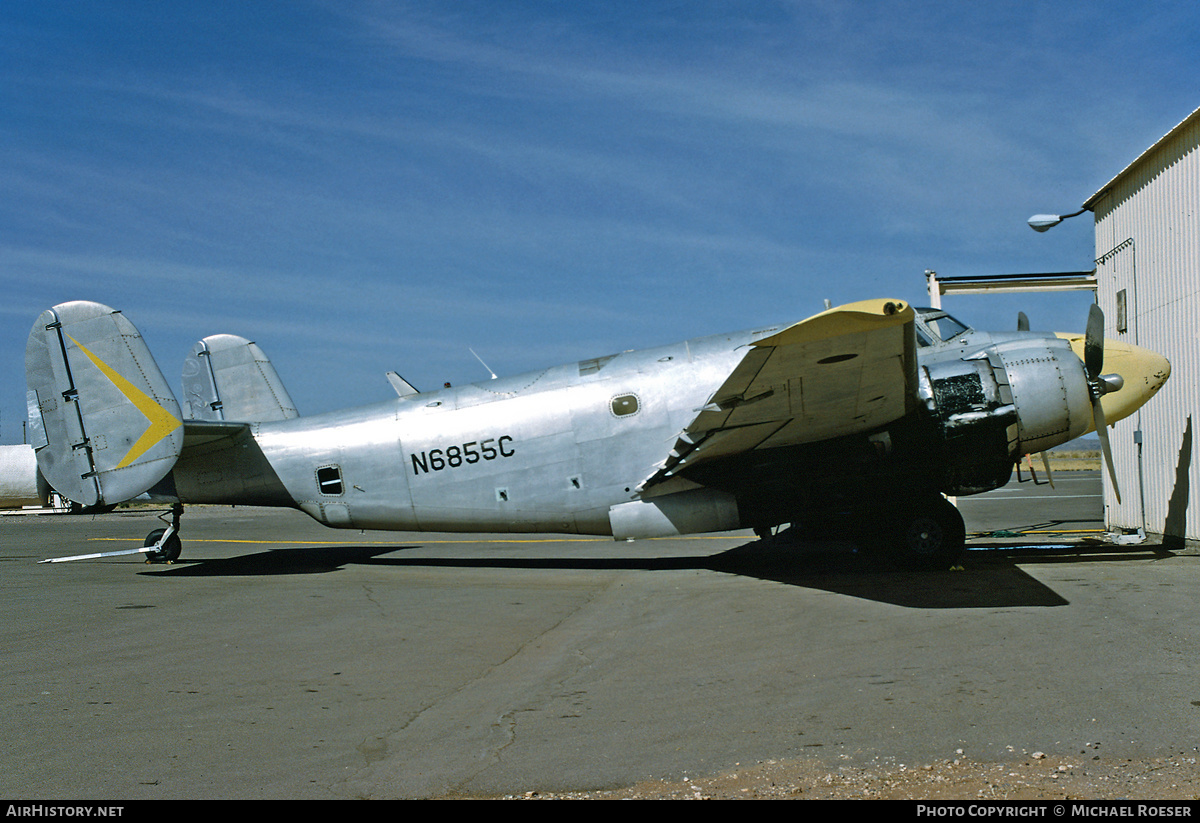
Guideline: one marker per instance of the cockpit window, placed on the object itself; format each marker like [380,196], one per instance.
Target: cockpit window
[935,326]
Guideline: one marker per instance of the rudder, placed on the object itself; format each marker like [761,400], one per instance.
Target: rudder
[104,422]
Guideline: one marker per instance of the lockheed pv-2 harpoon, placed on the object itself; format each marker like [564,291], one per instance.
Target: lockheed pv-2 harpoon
[862,418]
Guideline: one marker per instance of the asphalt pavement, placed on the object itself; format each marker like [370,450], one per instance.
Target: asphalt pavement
[281,659]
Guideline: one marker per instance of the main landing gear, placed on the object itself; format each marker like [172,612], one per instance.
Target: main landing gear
[924,533]
[918,532]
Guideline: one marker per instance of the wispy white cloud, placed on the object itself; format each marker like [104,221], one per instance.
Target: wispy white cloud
[411,178]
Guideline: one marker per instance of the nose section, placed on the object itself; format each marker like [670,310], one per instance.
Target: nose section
[1143,371]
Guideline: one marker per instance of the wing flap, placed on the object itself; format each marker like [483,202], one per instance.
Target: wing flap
[847,370]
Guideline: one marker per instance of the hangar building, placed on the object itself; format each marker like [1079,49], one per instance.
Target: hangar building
[1148,284]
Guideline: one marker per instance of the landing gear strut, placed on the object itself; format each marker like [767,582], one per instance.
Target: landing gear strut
[160,546]
[163,544]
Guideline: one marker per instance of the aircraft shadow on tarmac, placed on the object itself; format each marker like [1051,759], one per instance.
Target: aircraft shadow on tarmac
[990,576]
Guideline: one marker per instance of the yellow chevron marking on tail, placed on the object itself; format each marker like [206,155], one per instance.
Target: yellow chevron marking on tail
[162,422]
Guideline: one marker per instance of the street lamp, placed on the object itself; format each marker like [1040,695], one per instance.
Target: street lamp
[1043,222]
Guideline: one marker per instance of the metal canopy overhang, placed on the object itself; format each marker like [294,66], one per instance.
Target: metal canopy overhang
[999,283]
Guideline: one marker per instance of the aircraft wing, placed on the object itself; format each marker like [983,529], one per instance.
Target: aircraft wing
[847,370]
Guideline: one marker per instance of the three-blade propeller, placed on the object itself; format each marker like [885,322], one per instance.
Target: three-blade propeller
[1099,385]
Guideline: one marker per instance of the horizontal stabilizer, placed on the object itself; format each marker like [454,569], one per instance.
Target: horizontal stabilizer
[227,377]
[104,422]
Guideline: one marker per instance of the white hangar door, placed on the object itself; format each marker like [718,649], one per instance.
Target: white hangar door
[1116,272]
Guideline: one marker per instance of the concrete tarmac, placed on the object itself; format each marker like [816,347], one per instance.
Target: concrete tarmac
[281,659]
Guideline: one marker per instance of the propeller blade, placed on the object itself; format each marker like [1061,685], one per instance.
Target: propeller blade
[1093,343]
[1102,430]
[1022,321]
[1093,362]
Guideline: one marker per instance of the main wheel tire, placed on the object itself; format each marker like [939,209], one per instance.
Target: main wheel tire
[931,535]
[170,549]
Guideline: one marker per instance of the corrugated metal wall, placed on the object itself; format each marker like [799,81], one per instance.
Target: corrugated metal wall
[1148,269]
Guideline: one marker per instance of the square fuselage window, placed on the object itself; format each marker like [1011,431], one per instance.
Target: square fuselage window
[329,480]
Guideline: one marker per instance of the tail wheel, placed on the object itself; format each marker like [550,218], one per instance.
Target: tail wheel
[168,552]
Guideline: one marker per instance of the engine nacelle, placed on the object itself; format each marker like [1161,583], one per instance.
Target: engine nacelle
[1048,386]
[1009,399]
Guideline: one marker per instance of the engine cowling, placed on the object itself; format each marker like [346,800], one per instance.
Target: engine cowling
[1047,384]
[1009,399]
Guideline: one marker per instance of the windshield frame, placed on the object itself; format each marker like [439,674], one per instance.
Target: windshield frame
[935,327]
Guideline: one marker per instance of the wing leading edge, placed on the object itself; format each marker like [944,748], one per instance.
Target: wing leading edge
[847,370]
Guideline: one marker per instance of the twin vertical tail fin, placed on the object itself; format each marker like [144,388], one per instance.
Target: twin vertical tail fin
[229,378]
[104,422]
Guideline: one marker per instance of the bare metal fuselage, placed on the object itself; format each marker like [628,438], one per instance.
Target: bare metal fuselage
[547,451]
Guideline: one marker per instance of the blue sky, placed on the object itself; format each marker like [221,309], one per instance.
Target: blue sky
[372,186]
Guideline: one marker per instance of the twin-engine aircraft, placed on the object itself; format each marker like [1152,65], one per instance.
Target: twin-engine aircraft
[858,421]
